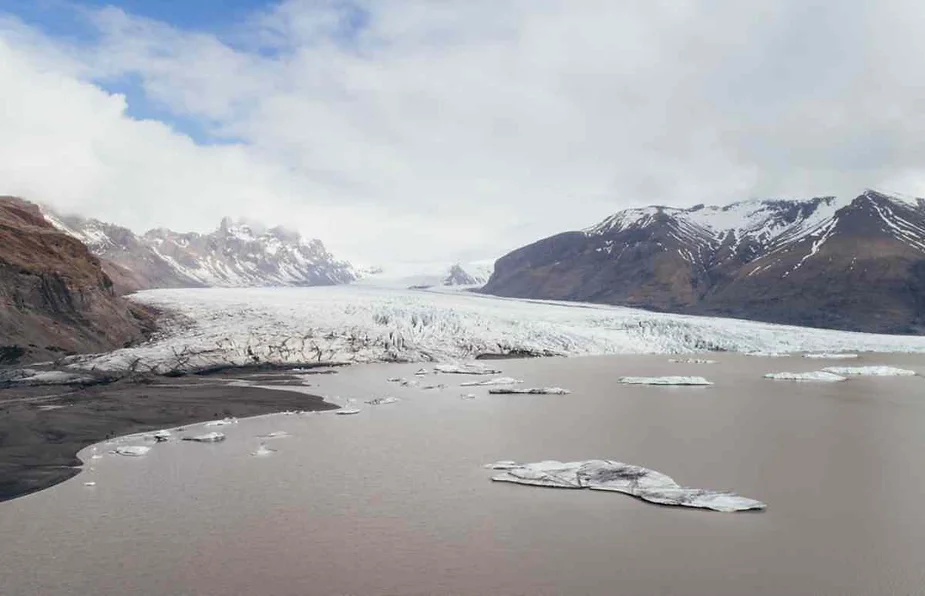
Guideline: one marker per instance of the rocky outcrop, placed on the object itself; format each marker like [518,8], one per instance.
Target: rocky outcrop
[55,298]
[855,265]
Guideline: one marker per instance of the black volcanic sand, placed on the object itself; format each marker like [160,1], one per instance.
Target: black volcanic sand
[43,428]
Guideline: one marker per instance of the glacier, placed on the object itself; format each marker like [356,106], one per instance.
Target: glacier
[607,475]
[363,324]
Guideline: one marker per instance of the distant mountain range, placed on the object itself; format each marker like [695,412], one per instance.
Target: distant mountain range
[855,264]
[236,254]
[427,275]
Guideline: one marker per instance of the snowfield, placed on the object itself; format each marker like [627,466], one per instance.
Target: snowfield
[366,324]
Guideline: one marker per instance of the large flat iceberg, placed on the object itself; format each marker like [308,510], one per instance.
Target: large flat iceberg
[816,375]
[608,475]
[664,381]
[495,381]
[870,371]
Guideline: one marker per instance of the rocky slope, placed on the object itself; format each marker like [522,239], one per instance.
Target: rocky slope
[857,264]
[55,298]
[236,254]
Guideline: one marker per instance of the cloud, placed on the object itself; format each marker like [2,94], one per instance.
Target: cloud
[406,129]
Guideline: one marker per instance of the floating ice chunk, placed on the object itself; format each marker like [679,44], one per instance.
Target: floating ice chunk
[831,356]
[440,386]
[664,381]
[160,436]
[395,379]
[131,450]
[465,369]
[467,396]
[276,434]
[222,422]
[870,371]
[212,437]
[96,456]
[381,401]
[607,475]
[347,411]
[90,483]
[531,391]
[495,381]
[407,383]
[421,372]
[767,354]
[816,375]
[692,361]
[263,451]
[504,464]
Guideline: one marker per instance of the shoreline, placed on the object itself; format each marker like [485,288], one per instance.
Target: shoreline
[42,429]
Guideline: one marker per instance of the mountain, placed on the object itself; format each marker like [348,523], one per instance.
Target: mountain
[55,298]
[826,262]
[236,254]
[427,274]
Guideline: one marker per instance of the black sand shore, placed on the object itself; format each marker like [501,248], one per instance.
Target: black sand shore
[43,428]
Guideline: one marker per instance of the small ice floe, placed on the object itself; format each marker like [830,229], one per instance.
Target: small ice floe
[664,381]
[395,379]
[96,456]
[381,401]
[495,381]
[421,372]
[347,411]
[467,396]
[816,375]
[465,369]
[831,356]
[90,483]
[767,354]
[407,383]
[212,437]
[440,386]
[870,371]
[263,451]
[160,436]
[276,434]
[692,361]
[607,475]
[531,391]
[222,422]
[131,450]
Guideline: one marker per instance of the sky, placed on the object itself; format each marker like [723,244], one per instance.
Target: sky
[427,130]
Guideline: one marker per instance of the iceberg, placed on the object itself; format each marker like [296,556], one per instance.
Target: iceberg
[347,411]
[421,372]
[222,422]
[870,371]
[692,361]
[132,450]
[495,381]
[763,354]
[276,434]
[664,381]
[817,375]
[831,356]
[212,437]
[90,483]
[465,369]
[531,391]
[160,436]
[467,396]
[607,475]
[263,451]
[381,401]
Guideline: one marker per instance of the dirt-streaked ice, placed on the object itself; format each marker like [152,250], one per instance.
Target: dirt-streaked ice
[212,437]
[670,380]
[608,475]
[816,375]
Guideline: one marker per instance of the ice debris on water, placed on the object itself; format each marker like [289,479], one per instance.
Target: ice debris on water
[263,451]
[212,437]
[407,383]
[222,422]
[764,354]
[381,401]
[276,434]
[160,436]
[421,372]
[664,381]
[495,381]
[90,483]
[831,356]
[467,396]
[347,411]
[530,391]
[608,475]
[465,369]
[691,361]
[817,375]
[870,371]
[131,450]
[438,387]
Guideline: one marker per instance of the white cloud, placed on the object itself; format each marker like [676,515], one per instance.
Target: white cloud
[396,130]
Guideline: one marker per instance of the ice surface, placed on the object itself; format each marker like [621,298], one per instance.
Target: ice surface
[466,369]
[870,371]
[691,361]
[767,354]
[263,451]
[531,391]
[28,376]
[608,475]
[816,375]
[664,381]
[222,422]
[132,450]
[495,381]
[831,356]
[364,324]
[212,437]
[381,401]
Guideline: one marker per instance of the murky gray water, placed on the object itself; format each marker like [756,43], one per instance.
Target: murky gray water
[394,500]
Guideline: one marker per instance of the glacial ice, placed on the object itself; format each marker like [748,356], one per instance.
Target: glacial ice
[222,422]
[212,437]
[465,369]
[381,401]
[263,451]
[467,396]
[664,381]
[276,434]
[495,381]
[531,391]
[607,475]
[817,375]
[347,411]
[831,356]
[692,361]
[870,371]
[90,483]
[132,450]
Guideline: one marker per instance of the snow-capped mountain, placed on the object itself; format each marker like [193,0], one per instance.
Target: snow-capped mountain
[237,254]
[826,261]
[428,274]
